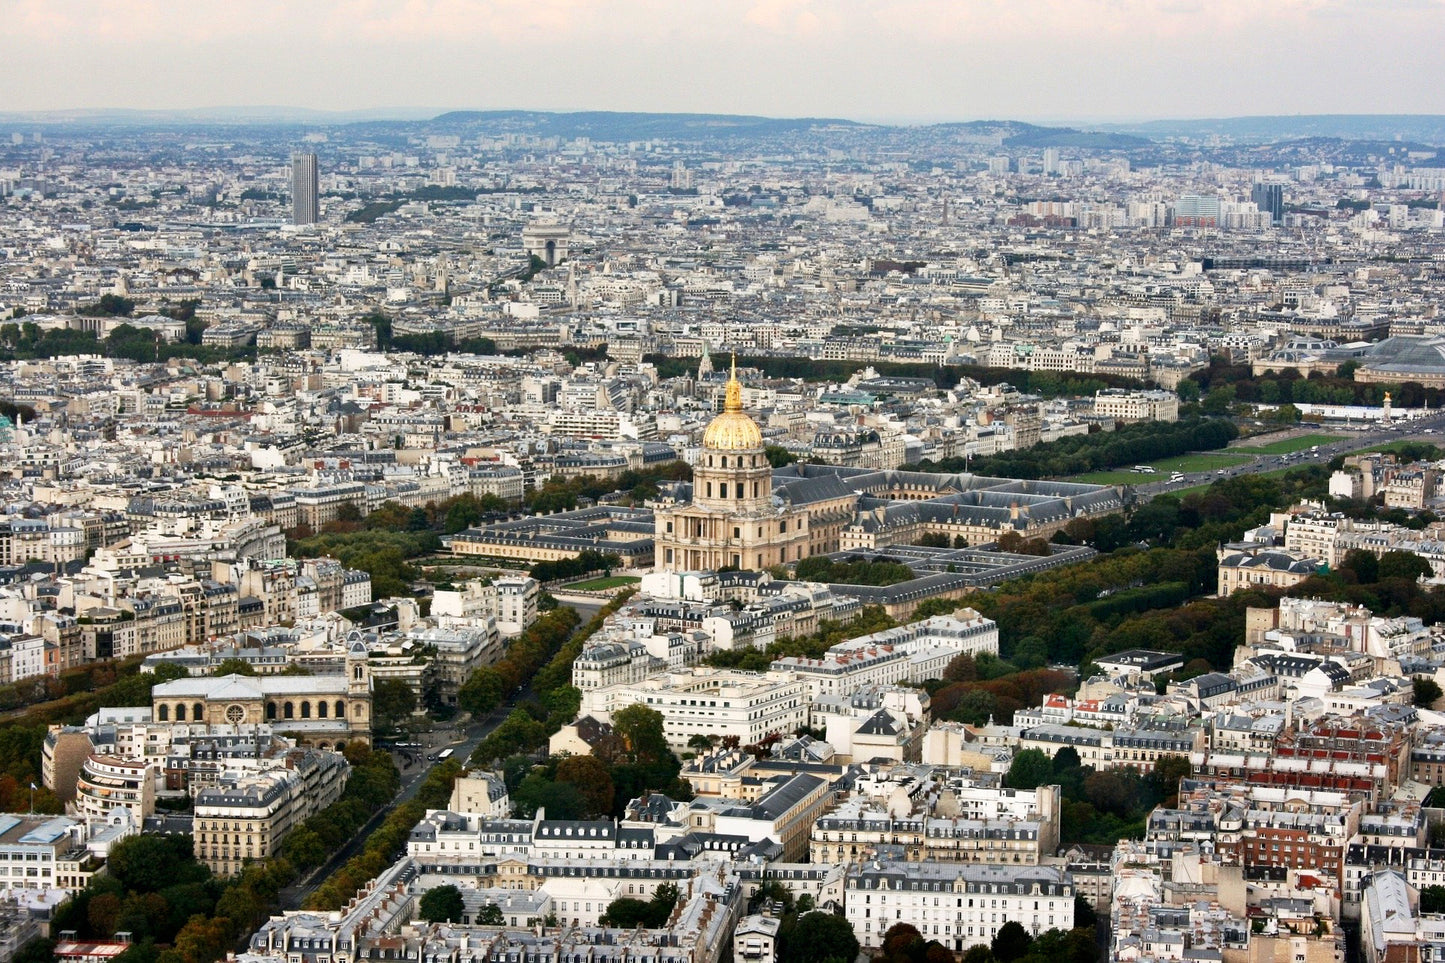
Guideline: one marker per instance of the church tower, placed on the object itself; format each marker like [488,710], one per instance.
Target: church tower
[733,472]
[733,520]
[358,687]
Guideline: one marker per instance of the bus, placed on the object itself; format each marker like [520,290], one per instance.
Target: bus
[445,754]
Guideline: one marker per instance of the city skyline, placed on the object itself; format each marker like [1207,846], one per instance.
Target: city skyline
[920,60]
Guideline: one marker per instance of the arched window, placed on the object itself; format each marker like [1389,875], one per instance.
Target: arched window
[165,712]
[270,710]
[198,712]
[288,711]
[321,709]
[306,710]
[180,712]
[340,709]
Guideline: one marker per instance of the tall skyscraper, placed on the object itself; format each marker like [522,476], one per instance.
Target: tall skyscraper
[1269,197]
[305,207]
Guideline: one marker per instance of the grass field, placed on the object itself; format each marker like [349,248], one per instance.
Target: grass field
[603,584]
[1394,446]
[1287,445]
[1204,461]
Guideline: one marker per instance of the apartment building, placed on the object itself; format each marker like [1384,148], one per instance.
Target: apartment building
[711,702]
[247,815]
[959,905]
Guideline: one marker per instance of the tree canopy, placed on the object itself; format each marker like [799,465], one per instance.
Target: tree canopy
[442,904]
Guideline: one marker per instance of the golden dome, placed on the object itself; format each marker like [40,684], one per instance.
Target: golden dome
[733,430]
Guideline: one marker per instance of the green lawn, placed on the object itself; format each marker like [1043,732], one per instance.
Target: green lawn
[1203,461]
[1392,446]
[1287,445]
[602,584]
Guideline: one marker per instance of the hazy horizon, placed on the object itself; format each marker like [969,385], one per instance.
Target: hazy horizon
[898,61]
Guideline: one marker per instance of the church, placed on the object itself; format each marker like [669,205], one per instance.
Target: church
[734,519]
[740,513]
[315,710]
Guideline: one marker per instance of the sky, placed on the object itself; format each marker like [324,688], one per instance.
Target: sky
[873,60]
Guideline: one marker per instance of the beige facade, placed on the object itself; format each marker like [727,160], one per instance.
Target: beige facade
[248,817]
[732,521]
[318,710]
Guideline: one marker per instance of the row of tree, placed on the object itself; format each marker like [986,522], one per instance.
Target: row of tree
[585,562]
[1047,384]
[490,685]
[1224,383]
[1133,444]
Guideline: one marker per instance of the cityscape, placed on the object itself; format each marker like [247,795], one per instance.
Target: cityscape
[640,527]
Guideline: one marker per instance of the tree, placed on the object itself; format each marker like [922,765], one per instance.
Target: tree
[490,915]
[625,912]
[146,864]
[975,707]
[1365,565]
[592,779]
[1168,771]
[978,953]
[233,667]
[902,942]
[1427,693]
[1030,769]
[442,904]
[640,730]
[392,701]
[1011,942]
[820,937]
[1403,565]
[1084,914]
[779,456]
[482,692]
[962,668]
[1432,899]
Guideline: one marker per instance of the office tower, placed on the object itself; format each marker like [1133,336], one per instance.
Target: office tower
[1051,160]
[1196,210]
[305,208]
[1269,198]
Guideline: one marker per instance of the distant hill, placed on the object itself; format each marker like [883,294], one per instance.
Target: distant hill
[1014,133]
[1422,128]
[616,126]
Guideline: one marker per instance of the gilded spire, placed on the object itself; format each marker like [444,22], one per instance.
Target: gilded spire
[733,400]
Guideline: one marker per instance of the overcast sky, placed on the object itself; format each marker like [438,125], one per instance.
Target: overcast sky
[904,60]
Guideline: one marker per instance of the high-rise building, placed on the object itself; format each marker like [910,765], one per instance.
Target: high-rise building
[305,207]
[1196,210]
[1051,160]
[1269,198]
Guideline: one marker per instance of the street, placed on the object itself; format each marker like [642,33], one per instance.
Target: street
[1429,429]
[463,740]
